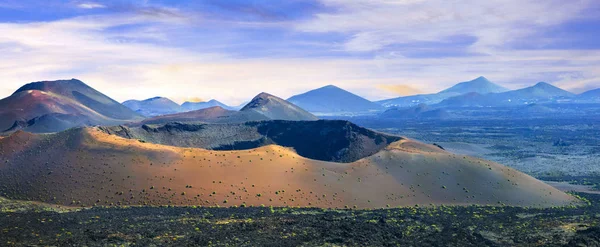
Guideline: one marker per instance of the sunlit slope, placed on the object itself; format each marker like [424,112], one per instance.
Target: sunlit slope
[87,166]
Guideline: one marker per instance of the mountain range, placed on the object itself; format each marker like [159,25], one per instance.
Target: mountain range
[162,106]
[262,107]
[269,152]
[539,93]
[479,85]
[53,106]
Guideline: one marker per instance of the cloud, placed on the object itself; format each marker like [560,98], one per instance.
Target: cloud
[400,89]
[90,6]
[375,24]
[193,99]
[145,51]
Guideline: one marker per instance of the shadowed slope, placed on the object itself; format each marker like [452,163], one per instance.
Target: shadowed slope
[87,166]
[327,140]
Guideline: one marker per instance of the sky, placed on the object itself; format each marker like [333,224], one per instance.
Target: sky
[231,50]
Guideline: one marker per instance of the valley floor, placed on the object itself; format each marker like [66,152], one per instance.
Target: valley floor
[27,224]
[543,148]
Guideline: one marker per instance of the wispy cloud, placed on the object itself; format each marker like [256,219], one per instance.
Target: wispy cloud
[90,5]
[377,49]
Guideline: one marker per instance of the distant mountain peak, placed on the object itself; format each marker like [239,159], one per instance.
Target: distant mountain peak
[331,86]
[543,84]
[274,107]
[258,100]
[332,99]
[154,98]
[480,79]
[43,85]
[479,85]
[263,95]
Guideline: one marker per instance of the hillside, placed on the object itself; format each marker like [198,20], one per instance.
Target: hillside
[273,107]
[86,166]
[153,107]
[332,99]
[326,140]
[40,101]
[591,95]
[193,106]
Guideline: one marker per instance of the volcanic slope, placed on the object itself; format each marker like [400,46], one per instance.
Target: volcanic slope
[215,114]
[274,107]
[60,105]
[327,140]
[86,166]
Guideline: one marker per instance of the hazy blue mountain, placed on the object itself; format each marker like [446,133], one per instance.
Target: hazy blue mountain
[480,85]
[275,108]
[592,95]
[332,99]
[539,93]
[192,106]
[153,107]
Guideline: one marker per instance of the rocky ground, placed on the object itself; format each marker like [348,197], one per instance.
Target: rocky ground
[22,224]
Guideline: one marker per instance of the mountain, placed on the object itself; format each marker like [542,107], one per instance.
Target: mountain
[87,166]
[262,107]
[480,85]
[67,102]
[192,106]
[593,95]
[539,93]
[422,111]
[153,106]
[332,99]
[273,107]
[215,114]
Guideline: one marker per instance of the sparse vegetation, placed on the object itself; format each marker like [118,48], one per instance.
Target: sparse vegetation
[429,226]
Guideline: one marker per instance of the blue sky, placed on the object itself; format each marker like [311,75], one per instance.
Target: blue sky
[232,50]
